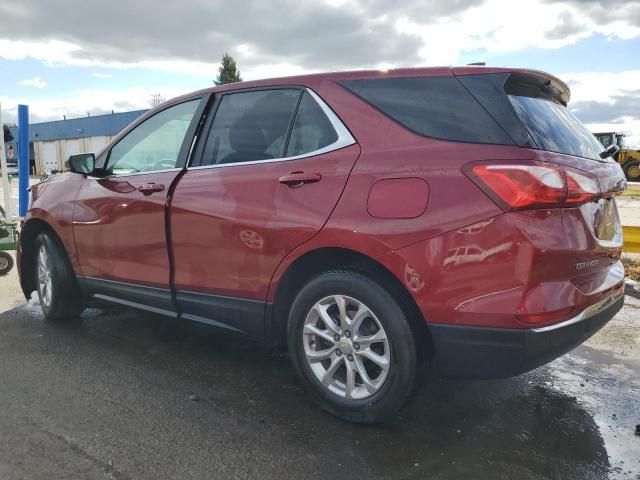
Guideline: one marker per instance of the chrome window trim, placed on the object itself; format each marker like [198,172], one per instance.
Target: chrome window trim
[345,139]
[134,174]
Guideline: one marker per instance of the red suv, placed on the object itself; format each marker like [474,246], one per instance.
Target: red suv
[371,222]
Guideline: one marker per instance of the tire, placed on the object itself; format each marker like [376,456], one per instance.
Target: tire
[632,170]
[58,292]
[387,388]
[6,263]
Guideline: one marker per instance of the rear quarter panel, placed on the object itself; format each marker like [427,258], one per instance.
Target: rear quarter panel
[389,151]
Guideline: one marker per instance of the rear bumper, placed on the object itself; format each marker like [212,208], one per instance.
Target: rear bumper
[484,353]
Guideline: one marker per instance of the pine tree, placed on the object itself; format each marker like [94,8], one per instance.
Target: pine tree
[228,71]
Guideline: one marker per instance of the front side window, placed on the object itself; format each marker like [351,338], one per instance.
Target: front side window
[312,130]
[154,144]
[250,126]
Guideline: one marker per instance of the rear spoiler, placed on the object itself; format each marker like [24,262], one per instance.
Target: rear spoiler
[531,83]
[525,82]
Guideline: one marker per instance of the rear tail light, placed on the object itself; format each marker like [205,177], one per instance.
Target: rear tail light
[581,187]
[524,186]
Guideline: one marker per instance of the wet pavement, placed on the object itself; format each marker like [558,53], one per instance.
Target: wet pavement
[129,395]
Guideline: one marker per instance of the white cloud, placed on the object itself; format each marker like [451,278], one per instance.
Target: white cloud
[601,86]
[608,88]
[102,75]
[442,32]
[56,53]
[79,103]
[36,82]
[499,27]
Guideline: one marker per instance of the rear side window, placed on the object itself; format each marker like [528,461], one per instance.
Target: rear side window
[438,107]
[554,128]
[250,126]
[312,129]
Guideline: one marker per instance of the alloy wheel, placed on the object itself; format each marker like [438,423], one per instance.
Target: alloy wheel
[44,276]
[346,347]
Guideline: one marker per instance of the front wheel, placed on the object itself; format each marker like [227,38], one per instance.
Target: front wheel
[58,292]
[351,343]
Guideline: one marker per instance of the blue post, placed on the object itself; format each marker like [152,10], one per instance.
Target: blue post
[23,159]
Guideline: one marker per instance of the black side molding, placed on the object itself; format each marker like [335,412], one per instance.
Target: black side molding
[153,299]
[236,314]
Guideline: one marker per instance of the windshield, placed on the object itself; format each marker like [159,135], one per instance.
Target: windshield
[554,128]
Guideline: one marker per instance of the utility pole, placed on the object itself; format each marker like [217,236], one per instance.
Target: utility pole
[5,179]
[23,160]
[157,99]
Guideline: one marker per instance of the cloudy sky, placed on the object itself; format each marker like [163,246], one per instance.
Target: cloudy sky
[70,57]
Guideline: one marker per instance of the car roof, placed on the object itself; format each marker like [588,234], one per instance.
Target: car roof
[315,78]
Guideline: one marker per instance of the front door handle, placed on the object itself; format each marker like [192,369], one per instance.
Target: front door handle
[149,188]
[297,179]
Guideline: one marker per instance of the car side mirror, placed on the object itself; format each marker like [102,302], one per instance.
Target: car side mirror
[83,163]
[610,151]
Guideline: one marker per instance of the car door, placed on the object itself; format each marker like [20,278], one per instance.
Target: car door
[119,217]
[270,172]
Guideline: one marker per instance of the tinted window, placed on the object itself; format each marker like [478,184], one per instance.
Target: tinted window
[155,143]
[250,126]
[554,128]
[437,107]
[489,90]
[312,129]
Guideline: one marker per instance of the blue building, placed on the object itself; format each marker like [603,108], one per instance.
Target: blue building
[51,143]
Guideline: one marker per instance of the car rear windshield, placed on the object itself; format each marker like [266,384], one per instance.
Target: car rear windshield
[500,108]
[554,128]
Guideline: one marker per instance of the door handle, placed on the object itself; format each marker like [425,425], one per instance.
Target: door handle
[298,179]
[149,188]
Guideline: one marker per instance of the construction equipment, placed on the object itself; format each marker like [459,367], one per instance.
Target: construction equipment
[629,159]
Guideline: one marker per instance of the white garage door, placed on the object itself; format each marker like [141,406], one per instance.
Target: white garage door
[96,144]
[72,146]
[50,153]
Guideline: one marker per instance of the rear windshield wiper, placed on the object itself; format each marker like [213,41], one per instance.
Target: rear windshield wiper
[610,151]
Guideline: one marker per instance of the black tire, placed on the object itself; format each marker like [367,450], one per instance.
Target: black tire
[632,170]
[400,377]
[65,300]
[6,263]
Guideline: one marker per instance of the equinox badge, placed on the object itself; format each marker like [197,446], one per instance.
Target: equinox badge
[585,266]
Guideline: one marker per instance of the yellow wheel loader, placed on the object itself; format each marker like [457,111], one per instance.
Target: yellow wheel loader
[629,159]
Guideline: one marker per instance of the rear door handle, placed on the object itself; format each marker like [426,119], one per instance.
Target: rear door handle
[298,179]
[149,188]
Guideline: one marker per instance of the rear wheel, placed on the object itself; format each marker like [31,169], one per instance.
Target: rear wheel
[60,297]
[6,263]
[351,343]
[632,170]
